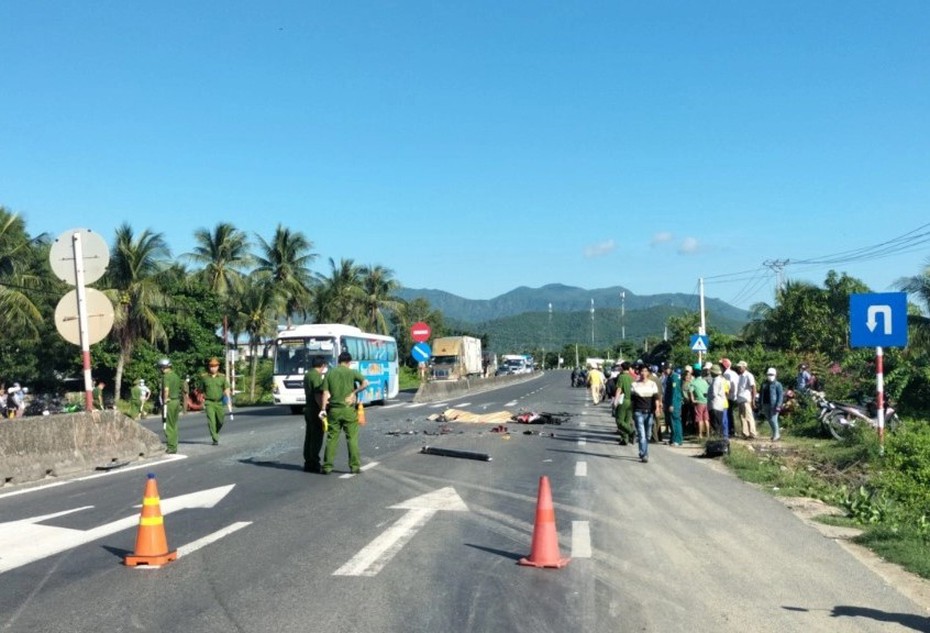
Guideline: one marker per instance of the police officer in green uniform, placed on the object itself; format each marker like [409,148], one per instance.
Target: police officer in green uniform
[98,395]
[340,386]
[313,392]
[170,403]
[215,390]
[135,400]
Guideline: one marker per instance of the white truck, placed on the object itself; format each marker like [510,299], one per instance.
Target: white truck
[456,357]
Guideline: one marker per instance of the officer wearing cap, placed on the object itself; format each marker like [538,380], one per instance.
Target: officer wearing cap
[135,400]
[170,397]
[215,389]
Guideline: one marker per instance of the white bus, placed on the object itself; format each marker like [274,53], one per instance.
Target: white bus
[374,355]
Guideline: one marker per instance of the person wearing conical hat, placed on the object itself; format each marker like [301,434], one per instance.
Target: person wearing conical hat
[215,389]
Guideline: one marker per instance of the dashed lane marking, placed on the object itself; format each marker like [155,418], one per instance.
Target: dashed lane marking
[581,469]
[581,539]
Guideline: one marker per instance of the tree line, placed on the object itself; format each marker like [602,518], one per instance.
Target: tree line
[230,283]
[247,286]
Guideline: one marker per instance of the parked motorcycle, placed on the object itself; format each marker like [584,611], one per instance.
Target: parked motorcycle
[837,418]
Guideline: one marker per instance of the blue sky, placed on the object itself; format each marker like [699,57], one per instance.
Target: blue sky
[476,147]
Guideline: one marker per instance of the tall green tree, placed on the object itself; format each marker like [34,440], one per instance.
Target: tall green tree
[222,255]
[340,297]
[21,275]
[286,261]
[918,289]
[134,281]
[378,287]
[258,306]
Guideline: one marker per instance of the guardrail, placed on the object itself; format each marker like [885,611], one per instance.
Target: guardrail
[437,390]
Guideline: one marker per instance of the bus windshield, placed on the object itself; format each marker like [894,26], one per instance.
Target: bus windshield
[294,356]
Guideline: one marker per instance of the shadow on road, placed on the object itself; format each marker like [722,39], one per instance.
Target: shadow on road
[910,620]
[498,552]
[251,461]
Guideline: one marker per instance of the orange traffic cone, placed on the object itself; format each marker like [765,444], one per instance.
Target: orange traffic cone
[545,550]
[151,544]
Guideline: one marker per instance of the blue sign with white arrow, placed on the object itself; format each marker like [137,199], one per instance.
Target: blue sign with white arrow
[878,319]
[421,352]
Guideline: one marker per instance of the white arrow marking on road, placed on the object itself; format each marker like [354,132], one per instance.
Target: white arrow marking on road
[885,311]
[25,541]
[374,556]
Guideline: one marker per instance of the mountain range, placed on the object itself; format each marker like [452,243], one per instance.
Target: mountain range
[521,319]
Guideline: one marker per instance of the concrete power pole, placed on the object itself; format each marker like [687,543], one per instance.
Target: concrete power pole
[592,322]
[622,315]
[778,265]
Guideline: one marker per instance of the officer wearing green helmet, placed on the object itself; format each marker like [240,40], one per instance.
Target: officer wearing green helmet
[170,396]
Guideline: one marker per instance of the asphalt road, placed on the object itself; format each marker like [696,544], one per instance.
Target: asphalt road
[428,543]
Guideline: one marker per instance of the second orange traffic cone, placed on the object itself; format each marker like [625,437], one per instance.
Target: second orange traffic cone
[151,543]
[545,548]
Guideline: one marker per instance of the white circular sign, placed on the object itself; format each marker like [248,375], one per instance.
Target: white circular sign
[99,316]
[96,256]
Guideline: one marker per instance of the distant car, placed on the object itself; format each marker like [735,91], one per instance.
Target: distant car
[503,370]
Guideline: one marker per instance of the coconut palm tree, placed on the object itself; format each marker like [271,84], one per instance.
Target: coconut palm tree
[918,287]
[379,286]
[19,275]
[134,285]
[258,305]
[286,260]
[340,297]
[222,254]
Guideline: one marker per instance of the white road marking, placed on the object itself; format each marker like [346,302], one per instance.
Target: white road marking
[363,468]
[27,540]
[582,441]
[581,539]
[512,403]
[190,548]
[374,556]
[581,469]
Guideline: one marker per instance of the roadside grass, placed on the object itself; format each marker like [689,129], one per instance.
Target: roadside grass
[850,475]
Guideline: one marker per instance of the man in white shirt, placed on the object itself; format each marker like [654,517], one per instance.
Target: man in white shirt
[745,397]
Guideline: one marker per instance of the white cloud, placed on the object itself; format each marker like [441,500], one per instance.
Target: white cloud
[600,249]
[689,246]
[661,238]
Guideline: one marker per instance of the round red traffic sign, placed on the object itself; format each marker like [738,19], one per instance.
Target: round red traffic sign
[420,331]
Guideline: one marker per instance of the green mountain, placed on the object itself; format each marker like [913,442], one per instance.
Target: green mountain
[521,319]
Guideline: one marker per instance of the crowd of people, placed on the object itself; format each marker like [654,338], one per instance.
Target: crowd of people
[663,403]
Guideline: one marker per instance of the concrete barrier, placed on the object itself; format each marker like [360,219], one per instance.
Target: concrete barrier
[34,448]
[437,390]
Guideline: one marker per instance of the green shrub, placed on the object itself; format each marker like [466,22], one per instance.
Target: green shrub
[904,474]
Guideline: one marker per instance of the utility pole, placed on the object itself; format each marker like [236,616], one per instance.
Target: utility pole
[550,339]
[778,265]
[622,315]
[703,329]
[592,322]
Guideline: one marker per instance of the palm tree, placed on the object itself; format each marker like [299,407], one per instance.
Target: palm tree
[339,297]
[258,306]
[286,260]
[135,288]
[20,317]
[222,254]
[379,286]
[918,286]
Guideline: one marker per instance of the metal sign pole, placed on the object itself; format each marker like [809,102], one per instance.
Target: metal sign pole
[880,397]
[82,319]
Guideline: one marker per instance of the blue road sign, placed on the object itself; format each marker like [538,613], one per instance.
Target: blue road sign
[699,343]
[421,352]
[878,319]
